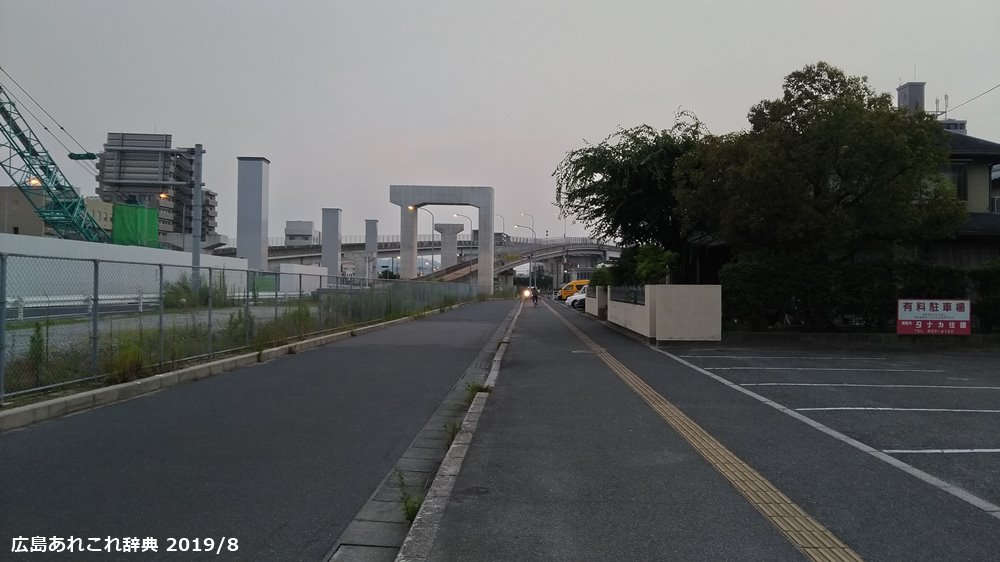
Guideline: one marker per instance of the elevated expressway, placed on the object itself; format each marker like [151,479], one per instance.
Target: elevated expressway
[556,253]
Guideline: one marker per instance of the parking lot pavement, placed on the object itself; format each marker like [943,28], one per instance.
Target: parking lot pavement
[894,505]
[936,412]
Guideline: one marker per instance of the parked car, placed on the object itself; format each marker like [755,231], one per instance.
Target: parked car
[569,289]
[578,300]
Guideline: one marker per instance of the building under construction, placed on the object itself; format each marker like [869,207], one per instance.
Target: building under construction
[144,169]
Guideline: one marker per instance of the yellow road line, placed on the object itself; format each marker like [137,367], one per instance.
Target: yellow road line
[808,535]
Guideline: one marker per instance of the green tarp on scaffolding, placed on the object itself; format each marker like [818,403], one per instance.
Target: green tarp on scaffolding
[133,225]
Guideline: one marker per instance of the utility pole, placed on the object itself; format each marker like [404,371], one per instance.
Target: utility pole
[196,197]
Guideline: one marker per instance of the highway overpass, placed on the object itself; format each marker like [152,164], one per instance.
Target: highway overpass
[558,254]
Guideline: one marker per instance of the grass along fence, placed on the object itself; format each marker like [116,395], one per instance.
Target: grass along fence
[195,318]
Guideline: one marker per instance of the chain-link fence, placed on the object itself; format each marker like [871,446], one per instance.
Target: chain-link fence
[67,321]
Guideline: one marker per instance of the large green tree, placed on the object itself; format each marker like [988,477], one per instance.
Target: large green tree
[623,187]
[829,172]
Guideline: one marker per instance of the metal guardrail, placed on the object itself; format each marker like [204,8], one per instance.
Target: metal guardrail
[85,300]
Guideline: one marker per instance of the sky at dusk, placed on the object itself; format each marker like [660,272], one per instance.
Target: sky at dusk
[347,97]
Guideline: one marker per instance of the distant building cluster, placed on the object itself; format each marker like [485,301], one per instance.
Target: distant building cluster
[137,169]
[301,233]
[145,169]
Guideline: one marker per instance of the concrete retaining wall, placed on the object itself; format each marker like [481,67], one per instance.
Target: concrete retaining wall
[311,277]
[687,312]
[638,318]
[49,271]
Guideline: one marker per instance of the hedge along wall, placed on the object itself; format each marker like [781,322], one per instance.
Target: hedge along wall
[814,295]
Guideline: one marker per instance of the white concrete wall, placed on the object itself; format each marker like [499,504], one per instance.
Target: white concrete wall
[311,276]
[687,312]
[590,305]
[56,267]
[598,306]
[638,318]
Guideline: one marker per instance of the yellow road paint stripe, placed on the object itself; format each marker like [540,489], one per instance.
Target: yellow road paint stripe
[814,540]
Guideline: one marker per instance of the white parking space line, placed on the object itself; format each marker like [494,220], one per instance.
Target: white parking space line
[946,387]
[960,493]
[823,369]
[778,357]
[876,409]
[937,451]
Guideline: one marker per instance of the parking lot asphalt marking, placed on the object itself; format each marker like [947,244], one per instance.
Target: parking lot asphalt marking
[809,536]
[880,409]
[822,369]
[782,357]
[848,384]
[937,451]
[960,493]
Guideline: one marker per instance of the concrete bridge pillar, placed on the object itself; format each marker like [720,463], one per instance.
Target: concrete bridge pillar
[252,181]
[407,242]
[371,247]
[506,279]
[553,266]
[330,252]
[411,197]
[449,242]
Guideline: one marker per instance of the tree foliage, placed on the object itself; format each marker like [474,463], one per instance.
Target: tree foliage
[831,170]
[653,264]
[623,188]
[824,202]
[601,277]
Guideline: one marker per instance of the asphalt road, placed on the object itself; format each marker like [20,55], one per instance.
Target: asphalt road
[568,463]
[279,456]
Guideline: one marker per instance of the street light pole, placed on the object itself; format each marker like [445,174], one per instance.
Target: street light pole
[532,217]
[531,263]
[470,234]
[503,224]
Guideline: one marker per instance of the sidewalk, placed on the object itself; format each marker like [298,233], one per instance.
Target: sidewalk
[568,463]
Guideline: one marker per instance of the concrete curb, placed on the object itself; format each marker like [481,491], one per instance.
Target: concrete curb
[420,538]
[28,414]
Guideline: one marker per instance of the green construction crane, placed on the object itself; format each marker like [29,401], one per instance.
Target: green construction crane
[41,181]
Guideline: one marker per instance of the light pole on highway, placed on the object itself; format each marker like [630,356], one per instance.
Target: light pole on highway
[470,234]
[531,264]
[534,240]
[503,225]
[530,216]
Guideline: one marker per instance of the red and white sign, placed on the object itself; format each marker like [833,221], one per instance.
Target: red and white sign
[936,317]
